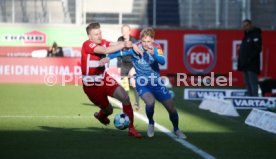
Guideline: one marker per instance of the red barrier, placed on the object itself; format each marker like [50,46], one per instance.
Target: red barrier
[26,51]
[224,51]
[40,70]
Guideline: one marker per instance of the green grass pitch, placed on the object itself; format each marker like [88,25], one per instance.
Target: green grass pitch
[42,122]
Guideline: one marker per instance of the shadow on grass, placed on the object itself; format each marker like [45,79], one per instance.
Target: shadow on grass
[87,142]
[95,142]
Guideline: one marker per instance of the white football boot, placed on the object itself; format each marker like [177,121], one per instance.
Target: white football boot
[150,131]
[180,134]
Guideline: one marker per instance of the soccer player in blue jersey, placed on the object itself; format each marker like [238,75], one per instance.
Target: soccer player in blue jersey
[149,84]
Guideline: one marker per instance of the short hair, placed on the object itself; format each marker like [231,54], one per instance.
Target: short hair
[92,26]
[147,32]
[247,21]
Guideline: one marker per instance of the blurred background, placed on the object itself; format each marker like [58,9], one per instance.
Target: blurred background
[195,14]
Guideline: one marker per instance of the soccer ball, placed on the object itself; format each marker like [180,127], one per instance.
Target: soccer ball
[121,121]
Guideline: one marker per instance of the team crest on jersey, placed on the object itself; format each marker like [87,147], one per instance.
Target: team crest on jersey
[160,52]
[92,45]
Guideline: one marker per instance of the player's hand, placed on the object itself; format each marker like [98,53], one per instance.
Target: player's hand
[103,61]
[150,49]
[128,44]
[137,50]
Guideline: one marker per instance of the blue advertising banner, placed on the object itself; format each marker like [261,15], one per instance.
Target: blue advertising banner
[253,102]
[200,93]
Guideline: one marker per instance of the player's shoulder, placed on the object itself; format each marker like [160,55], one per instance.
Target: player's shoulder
[89,44]
[156,44]
[159,48]
[87,41]
[104,41]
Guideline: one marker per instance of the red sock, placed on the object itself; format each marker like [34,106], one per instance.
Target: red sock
[129,112]
[101,114]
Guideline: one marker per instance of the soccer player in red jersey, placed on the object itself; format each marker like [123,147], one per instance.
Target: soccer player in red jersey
[98,84]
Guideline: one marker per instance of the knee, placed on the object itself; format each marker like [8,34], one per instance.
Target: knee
[171,110]
[150,102]
[170,107]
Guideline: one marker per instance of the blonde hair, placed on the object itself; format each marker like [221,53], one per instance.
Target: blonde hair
[147,32]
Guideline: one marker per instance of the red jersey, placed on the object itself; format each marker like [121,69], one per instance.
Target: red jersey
[90,60]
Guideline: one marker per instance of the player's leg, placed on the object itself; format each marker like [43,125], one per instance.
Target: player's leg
[113,89]
[149,99]
[123,97]
[163,95]
[168,104]
[103,114]
[132,83]
[99,99]
[120,94]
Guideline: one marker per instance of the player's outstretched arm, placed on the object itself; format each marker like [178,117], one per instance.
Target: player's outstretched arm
[119,53]
[103,50]
[137,50]
[104,61]
[115,43]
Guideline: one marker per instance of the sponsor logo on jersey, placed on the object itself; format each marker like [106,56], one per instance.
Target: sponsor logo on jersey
[92,45]
[160,52]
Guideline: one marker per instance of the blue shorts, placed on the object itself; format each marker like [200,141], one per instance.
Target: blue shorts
[160,92]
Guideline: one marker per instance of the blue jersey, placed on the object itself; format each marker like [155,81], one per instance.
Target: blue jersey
[147,71]
[147,65]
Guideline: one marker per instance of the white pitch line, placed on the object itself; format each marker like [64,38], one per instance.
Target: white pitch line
[166,131]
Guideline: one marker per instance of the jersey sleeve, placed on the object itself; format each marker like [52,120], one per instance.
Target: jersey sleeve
[158,54]
[157,57]
[159,49]
[120,53]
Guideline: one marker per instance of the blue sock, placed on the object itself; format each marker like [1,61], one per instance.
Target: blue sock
[174,119]
[150,112]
